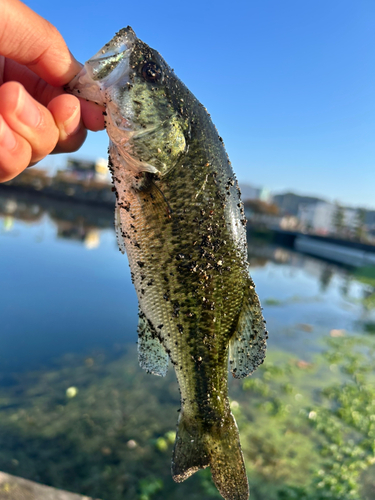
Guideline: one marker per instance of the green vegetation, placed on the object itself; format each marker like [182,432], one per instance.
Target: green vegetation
[366,275]
[272,302]
[317,425]
[360,225]
[104,428]
[339,219]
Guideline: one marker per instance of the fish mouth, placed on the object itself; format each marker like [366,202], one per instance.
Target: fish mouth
[106,68]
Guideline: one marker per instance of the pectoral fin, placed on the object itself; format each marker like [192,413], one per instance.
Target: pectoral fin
[151,354]
[247,348]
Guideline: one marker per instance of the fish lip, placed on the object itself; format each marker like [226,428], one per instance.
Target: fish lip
[121,43]
[89,83]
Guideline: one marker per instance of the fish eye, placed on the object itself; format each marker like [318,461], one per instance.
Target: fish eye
[151,72]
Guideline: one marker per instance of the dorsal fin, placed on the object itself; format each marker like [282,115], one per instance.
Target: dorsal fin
[247,347]
[151,354]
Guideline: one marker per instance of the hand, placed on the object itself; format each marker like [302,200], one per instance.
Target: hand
[36,116]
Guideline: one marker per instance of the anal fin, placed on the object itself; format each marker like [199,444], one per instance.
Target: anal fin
[247,347]
[151,354]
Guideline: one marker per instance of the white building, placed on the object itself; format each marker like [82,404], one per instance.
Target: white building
[249,192]
[317,217]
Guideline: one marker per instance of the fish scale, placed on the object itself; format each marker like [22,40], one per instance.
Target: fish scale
[180,218]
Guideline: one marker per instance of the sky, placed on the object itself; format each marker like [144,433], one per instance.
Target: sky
[289,84]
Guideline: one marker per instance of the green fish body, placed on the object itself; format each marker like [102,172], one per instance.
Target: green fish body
[181,221]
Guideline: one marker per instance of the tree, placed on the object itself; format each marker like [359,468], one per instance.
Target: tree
[360,227]
[338,219]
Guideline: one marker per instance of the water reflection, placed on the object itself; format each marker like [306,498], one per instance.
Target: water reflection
[73,221]
[58,298]
[331,277]
[69,319]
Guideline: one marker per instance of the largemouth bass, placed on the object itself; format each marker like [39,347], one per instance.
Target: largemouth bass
[181,221]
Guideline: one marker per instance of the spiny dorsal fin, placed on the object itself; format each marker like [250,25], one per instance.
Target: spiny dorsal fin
[151,354]
[247,348]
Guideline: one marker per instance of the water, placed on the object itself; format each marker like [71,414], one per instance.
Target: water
[65,287]
[68,318]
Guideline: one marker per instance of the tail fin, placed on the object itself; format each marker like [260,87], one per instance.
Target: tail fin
[189,454]
[219,447]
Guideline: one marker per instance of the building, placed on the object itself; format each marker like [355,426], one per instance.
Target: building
[89,170]
[317,217]
[249,192]
[323,218]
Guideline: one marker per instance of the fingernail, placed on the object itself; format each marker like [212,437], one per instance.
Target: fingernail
[71,125]
[27,110]
[7,138]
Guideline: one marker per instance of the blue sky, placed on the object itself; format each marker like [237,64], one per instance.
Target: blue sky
[289,84]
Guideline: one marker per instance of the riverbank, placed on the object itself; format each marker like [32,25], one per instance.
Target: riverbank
[346,252]
[17,488]
[63,186]
[91,194]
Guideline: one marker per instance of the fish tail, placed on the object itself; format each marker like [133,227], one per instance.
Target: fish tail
[218,448]
[189,453]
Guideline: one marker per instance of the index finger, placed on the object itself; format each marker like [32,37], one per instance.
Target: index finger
[30,40]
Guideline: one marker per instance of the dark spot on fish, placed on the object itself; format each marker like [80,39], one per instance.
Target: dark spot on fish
[176,309]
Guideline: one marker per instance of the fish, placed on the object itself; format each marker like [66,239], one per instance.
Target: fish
[180,219]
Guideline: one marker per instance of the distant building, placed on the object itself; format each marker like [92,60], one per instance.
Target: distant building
[320,217]
[89,170]
[350,217]
[289,203]
[317,217]
[289,223]
[249,192]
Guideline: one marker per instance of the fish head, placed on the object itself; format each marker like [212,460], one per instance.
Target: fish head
[143,100]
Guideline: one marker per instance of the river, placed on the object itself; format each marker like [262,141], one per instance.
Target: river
[66,301]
